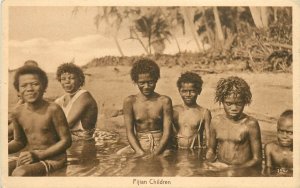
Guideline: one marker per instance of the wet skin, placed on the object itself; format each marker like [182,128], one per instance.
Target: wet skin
[187,117]
[280,154]
[147,111]
[237,136]
[85,108]
[39,125]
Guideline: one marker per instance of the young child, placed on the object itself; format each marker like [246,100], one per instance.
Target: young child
[39,126]
[190,119]
[279,155]
[147,115]
[236,134]
[78,104]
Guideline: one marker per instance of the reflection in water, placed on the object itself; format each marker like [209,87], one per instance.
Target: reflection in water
[98,158]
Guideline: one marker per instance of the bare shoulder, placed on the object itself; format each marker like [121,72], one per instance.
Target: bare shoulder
[130,99]
[165,99]
[87,98]
[178,107]
[269,147]
[54,106]
[251,122]
[217,120]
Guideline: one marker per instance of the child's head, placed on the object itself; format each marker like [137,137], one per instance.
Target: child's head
[31,63]
[234,93]
[30,82]
[285,128]
[145,74]
[70,76]
[189,85]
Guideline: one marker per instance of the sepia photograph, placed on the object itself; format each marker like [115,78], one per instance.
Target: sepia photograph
[149,95]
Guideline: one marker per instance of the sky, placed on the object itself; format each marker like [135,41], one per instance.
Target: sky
[52,35]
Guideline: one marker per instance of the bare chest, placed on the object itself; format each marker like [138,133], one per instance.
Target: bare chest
[148,110]
[226,131]
[35,122]
[283,158]
[190,118]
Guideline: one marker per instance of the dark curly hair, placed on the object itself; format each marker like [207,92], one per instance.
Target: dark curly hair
[190,77]
[287,114]
[233,85]
[70,68]
[143,66]
[31,70]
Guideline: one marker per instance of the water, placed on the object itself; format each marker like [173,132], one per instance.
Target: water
[99,158]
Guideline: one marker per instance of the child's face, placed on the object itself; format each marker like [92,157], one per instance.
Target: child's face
[188,93]
[30,88]
[285,132]
[69,82]
[146,84]
[233,106]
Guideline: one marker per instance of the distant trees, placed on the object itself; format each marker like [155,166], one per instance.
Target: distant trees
[219,28]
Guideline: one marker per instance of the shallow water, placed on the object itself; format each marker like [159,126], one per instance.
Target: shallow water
[99,158]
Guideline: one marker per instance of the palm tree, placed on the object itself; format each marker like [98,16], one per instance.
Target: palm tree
[154,29]
[110,18]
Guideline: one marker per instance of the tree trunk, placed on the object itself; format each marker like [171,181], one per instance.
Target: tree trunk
[192,27]
[219,31]
[118,45]
[141,42]
[177,43]
[259,16]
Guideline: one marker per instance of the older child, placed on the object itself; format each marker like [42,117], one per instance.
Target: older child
[190,119]
[235,134]
[147,115]
[279,155]
[39,125]
[20,102]
[78,104]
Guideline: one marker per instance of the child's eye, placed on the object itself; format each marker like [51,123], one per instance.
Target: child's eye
[289,132]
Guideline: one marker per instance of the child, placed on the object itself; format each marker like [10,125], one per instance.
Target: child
[279,155]
[236,134]
[78,104]
[20,102]
[190,119]
[147,115]
[39,126]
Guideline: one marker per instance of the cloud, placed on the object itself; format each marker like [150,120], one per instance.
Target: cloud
[51,53]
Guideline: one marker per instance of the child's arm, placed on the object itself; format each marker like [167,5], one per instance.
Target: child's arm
[255,144]
[207,118]
[129,124]
[61,126]
[212,144]
[19,141]
[167,122]
[268,158]
[79,107]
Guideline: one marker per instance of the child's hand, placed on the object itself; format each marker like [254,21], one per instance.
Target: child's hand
[27,158]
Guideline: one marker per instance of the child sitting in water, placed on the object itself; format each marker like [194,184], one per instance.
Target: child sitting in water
[39,126]
[78,104]
[190,119]
[147,115]
[279,155]
[235,134]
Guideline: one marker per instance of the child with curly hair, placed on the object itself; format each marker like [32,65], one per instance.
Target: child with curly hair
[40,127]
[147,115]
[78,104]
[191,119]
[235,137]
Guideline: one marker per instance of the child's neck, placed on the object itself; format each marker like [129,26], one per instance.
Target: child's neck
[35,105]
[149,97]
[74,93]
[187,106]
